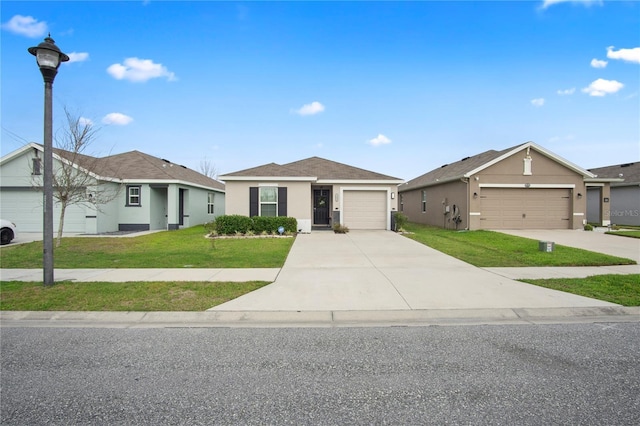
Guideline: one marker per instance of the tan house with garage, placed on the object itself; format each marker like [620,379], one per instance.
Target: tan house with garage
[316,191]
[522,187]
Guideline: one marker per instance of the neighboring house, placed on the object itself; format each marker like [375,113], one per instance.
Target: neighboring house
[522,187]
[149,193]
[316,191]
[624,207]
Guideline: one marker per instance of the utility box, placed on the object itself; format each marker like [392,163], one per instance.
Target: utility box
[546,246]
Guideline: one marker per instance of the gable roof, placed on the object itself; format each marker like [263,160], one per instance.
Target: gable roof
[132,166]
[313,169]
[630,172]
[468,166]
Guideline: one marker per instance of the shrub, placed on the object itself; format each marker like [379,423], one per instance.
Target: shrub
[257,225]
[233,224]
[340,229]
[401,220]
[588,227]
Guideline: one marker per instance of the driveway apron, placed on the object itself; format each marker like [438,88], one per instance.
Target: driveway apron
[381,270]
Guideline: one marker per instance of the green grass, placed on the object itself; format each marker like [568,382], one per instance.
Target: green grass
[621,289]
[167,249]
[100,296]
[494,249]
[631,234]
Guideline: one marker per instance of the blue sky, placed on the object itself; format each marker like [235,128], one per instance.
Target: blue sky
[395,87]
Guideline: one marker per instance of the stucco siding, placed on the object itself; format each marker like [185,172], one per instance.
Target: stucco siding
[298,197]
[438,198]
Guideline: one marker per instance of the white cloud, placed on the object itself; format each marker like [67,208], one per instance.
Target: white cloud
[598,63]
[77,57]
[139,70]
[379,140]
[310,109]
[117,119]
[628,55]
[566,91]
[602,87]
[26,26]
[548,3]
[83,121]
[538,102]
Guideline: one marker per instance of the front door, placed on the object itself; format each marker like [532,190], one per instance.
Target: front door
[321,206]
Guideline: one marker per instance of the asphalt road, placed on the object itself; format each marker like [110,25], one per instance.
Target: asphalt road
[498,375]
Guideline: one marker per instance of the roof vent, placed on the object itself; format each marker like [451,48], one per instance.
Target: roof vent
[627,165]
[166,161]
[184,167]
[465,158]
[444,165]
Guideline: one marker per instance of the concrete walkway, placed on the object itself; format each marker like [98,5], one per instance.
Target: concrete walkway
[378,270]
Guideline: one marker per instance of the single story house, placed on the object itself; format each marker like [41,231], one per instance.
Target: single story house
[131,191]
[316,191]
[624,207]
[522,187]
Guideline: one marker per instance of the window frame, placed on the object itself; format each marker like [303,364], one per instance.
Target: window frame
[211,203]
[129,203]
[424,201]
[274,188]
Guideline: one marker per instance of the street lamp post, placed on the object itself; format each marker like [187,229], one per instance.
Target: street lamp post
[48,57]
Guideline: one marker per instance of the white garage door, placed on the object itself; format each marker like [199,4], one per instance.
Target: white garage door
[365,209]
[24,208]
[520,208]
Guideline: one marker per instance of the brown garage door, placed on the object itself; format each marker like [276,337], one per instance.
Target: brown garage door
[365,209]
[525,208]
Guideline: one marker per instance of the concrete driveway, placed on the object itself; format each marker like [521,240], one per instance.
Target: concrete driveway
[381,270]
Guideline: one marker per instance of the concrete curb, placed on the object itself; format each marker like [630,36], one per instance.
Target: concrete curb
[269,319]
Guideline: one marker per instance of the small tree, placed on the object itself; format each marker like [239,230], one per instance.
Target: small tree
[75,177]
[208,168]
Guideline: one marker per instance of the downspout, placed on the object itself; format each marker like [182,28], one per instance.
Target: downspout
[467,202]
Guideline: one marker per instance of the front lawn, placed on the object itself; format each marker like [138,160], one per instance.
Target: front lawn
[630,233]
[168,249]
[494,249]
[100,296]
[621,289]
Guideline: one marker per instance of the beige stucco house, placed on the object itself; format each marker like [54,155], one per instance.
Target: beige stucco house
[522,187]
[316,191]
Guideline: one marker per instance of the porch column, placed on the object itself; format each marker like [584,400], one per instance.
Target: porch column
[173,203]
[605,203]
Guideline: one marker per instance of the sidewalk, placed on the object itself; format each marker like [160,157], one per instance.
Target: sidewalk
[150,274]
[271,274]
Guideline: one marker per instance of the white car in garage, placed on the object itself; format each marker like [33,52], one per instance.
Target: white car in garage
[7,231]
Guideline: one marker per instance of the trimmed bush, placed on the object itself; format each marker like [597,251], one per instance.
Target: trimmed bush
[232,224]
[237,224]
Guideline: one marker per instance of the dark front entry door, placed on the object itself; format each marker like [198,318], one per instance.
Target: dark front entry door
[181,206]
[321,206]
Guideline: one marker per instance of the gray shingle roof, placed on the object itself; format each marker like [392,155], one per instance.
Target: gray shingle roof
[630,173]
[454,170]
[139,166]
[312,167]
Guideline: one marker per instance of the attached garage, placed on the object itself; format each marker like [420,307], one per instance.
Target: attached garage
[525,208]
[365,209]
[24,208]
